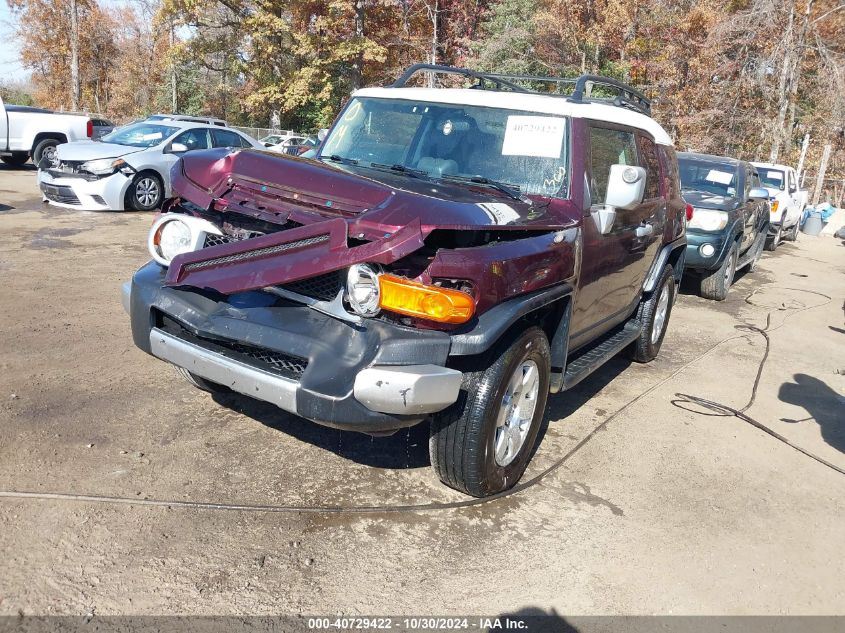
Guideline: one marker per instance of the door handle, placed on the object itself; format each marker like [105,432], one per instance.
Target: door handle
[644,230]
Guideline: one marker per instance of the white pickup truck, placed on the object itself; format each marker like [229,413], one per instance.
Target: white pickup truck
[34,133]
[787,201]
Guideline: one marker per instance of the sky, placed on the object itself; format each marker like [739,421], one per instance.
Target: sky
[10,65]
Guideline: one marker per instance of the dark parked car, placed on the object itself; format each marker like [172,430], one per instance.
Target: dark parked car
[729,222]
[452,255]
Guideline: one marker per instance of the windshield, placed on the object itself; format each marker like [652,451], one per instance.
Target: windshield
[524,149]
[772,178]
[708,177]
[140,135]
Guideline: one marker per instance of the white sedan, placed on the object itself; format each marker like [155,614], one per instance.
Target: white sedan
[129,168]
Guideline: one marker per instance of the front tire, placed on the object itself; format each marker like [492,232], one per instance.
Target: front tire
[654,314]
[16,160]
[482,444]
[715,286]
[146,192]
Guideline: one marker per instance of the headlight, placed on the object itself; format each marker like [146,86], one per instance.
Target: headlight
[708,219]
[175,233]
[362,289]
[107,166]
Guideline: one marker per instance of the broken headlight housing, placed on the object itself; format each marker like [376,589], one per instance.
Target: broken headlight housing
[175,233]
[107,167]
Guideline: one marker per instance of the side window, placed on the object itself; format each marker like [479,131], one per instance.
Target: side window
[608,147]
[193,139]
[226,138]
[791,180]
[648,153]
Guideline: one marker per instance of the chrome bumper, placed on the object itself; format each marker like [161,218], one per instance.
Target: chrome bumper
[230,373]
[401,390]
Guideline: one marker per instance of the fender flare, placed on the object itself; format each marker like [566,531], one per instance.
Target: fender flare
[490,326]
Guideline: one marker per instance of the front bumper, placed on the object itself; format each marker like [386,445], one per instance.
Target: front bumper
[102,194]
[374,377]
[694,258]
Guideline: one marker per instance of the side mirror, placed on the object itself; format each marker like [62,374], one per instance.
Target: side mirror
[321,135]
[625,186]
[178,148]
[793,189]
[758,193]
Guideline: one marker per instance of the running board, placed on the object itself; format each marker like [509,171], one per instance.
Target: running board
[590,361]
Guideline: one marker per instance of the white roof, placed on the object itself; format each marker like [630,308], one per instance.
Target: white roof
[522,101]
[771,165]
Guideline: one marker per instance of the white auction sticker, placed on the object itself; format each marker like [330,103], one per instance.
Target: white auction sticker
[722,177]
[499,212]
[540,136]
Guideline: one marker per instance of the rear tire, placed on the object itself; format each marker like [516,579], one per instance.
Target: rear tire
[774,242]
[16,160]
[45,148]
[482,444]
[654,314]
[198,382]
[715,286]
[793,232]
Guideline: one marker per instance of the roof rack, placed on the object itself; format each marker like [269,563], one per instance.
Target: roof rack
[626,96]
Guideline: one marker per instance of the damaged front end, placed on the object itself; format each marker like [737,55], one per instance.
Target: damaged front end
[327,294]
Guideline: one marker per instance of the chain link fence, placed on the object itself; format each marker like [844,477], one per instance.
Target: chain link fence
[260,132]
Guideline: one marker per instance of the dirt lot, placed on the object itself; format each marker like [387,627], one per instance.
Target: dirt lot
[663,510]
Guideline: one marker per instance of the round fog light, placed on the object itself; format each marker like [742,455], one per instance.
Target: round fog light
[362,289]
[706,250]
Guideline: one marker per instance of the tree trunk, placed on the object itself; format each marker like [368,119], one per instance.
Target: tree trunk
[820,178]
[74,56]
[782,95]
[174,95]
[356,79]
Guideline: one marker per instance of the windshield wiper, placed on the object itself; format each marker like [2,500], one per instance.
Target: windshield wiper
[506,188]
[335,158]
[413,173]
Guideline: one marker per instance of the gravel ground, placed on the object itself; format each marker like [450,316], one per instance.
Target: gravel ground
[663,511]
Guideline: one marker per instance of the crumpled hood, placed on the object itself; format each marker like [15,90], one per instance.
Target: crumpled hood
[706,200]
[382,197]
[92,150]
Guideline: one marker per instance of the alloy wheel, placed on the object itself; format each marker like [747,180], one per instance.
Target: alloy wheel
[516,412]
[147,192]
[660,315]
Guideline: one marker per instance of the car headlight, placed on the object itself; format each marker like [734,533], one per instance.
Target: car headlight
[107,166]
[362,289]
[175,233]
[708,219]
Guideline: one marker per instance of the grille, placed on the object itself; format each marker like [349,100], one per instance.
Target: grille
[323,287]
[255,254]
[279,363]
[59,193]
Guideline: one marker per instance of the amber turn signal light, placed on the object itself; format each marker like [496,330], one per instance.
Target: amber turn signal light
[425,302]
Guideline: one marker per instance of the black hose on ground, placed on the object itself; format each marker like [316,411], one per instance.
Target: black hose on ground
[715,407]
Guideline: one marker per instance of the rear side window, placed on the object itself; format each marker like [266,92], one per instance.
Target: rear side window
[227,138]
[193,139]
[648,153]
[608,147]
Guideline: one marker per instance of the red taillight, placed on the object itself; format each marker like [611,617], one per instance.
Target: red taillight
[689,212]
[89,130]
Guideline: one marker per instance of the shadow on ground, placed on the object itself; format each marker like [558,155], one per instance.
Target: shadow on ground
[407,448]
[823,404]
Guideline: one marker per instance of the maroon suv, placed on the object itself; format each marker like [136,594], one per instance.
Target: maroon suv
[450,254]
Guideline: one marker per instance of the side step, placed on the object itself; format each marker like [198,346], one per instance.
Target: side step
[591,360]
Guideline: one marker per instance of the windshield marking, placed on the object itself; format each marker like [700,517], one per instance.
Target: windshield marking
[536,136]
